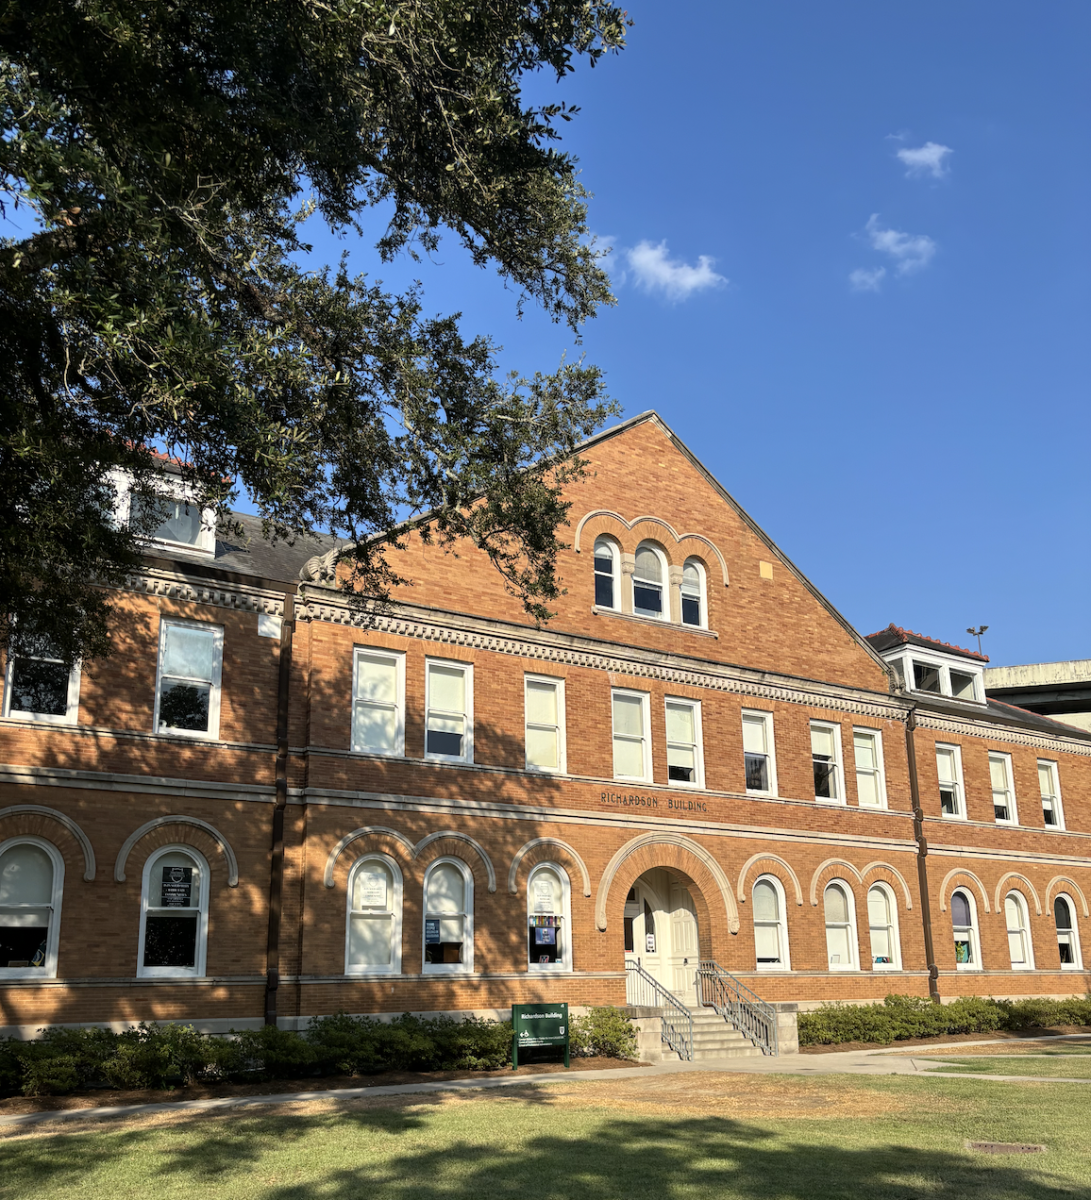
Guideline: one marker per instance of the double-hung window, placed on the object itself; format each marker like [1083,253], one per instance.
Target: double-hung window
[38,686]
[770,925]
[693,594]
[449,711]
[867,747]
[187,693]
[373,940]
[883,928]
[448,918]
[378,702]
[1003,788]
[648,584]
[1019,946]
[949,768]
[543,700]
[758,753]
[606,574]
[826,760]
[964,927]
[549,941]
[174,924]
[685,761]
[1068,938]
[840,911]
[1050,788]
[31,883]
[632,736]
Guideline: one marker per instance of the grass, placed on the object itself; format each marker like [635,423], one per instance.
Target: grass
[732,1137]
[1045,1066]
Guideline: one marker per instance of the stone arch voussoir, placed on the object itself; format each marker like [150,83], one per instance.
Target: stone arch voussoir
[449,843]
[190,831]
[885,873]
[766,863]
[378,838]
[1007,883]
[35,820]
[957,877]
[547,849]
[1065,883]
[833,868]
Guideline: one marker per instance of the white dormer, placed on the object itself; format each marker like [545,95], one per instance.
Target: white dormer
[931,667]
[183,524]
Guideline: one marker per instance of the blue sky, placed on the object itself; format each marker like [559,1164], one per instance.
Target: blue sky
[850,250]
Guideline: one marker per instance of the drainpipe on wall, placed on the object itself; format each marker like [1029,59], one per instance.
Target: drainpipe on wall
[276,863]
[922,856]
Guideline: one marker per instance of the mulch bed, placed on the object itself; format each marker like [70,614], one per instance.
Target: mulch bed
[945,1039]
[102,1097]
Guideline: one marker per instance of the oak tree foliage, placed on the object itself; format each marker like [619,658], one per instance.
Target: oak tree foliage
[158,160]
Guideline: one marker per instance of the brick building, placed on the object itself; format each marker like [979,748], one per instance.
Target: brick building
[259,808]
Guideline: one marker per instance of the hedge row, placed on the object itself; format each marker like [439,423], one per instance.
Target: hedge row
[900,1017]
[164,1056]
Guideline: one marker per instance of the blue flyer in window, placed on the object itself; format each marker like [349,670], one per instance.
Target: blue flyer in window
[545,937]
[431,932]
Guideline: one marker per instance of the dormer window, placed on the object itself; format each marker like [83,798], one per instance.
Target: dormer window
[165,513]
[176,520]
[926,678]
[939,679]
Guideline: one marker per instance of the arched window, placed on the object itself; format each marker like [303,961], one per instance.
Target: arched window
[373,938]
[1019,947]
[606,584]
[448,918]
[882,913]
[174,914]
[648,578]
[694,605]
[549,923]
[31,882]
[1068,938]
[770,925]
[840,927]
[964,926]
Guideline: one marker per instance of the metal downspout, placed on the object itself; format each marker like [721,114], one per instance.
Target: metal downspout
[922,855]
[276,860]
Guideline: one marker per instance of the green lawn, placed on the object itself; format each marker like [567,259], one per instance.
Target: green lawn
[588,1144]
[1051,1066]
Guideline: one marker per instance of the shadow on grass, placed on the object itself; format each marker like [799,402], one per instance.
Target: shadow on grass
[349,1155]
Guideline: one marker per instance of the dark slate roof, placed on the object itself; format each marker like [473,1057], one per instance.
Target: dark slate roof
[895,635]
[1012,712]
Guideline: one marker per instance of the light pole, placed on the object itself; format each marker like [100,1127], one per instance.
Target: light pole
[977,634]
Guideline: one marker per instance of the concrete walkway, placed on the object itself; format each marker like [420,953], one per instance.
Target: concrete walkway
[888,1061]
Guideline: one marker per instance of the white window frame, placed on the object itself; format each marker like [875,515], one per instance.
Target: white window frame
[1024,929]
[49,970]
[960,813]
[467,966]
[944,667]
[212,734]
[664,585]
[615,572]
[699,753]
[880,766]
[1013,812]
[771,751]
[395,965]
[198,970]
[853,937]
[397,657]
[833,727]
[170,487]
[973,929]
[563,965]
[1058,806]
[467,755]
[70,716]
[894,928]
[782,926]
[702,594]
[562,749]
[1073,930]
[645,713]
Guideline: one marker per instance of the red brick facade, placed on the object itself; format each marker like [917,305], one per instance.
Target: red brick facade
[771,644]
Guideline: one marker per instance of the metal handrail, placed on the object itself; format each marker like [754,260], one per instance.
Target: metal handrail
[742,1008]
[645,991]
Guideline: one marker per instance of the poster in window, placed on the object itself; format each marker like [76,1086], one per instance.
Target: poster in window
[543,895]
[177,887]
[649,943]
[431,931]
[545,937]
[372,887]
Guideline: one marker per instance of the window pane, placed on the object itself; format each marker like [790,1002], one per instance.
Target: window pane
[962,685]
[960,909]
[165,519]
[825,779]
[767,943]
[681,765]
[867,789]
[1016,948]
[878,907]
[998,773]
[680,723]
[170,941]
[541,702]
[1064,948]
[376,679]
[648,566]
[604,591]
[447,688]
[545,895]
[766,907]
[189,652]
[629,758]
[184,706]
[542,748]
[691,610]
[822,742]
[864,748]
[647,599]
[1061,914]
[945,764]
[39,687]
[373,886]
[837,946]
[927,678]
[1045,779]
[375,728]
[446,890]
[880,944]
[629,716]
[757,772]
[371,940]
[23,940]
[837,908]
[753,735]
[26,876]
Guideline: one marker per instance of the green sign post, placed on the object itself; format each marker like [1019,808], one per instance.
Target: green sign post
[536,1025]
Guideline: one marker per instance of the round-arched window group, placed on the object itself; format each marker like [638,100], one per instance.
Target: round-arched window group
[1016,913]
[651,584]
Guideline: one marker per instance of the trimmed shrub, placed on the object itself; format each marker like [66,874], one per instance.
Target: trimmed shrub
[605,1032]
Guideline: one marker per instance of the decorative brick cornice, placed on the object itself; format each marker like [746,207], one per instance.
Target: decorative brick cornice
[1002,733]
[480,634]
[240,596]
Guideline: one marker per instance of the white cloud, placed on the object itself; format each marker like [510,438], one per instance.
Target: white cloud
[926,160]
[655,272]
[863,280]
[910,251]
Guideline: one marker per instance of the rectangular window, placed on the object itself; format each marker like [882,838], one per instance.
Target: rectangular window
[826,760]
[1050,787]
[632,736]
[759,753]
[543,701]
[378,702]
[926,678]
[38,686]
[949,767]
[1003,789]
[685,760]
[962,686]
[867,747]
[187,694]
[449,710]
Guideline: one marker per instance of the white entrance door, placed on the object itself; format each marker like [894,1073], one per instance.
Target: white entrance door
[684,951]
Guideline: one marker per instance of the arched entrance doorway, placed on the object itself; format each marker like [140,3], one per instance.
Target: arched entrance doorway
[660,930]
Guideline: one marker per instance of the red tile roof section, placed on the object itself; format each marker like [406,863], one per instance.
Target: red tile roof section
[903,636]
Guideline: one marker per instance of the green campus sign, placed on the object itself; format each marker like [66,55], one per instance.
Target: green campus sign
[535,1025]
